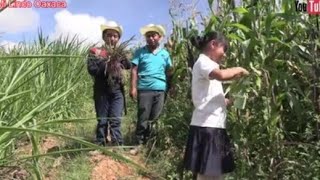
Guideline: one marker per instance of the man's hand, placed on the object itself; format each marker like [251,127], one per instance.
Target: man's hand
[133,93]
[134,79]
[98,53]
[229,102]
[172,92]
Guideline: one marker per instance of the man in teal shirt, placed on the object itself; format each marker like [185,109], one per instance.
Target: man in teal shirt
[151,66]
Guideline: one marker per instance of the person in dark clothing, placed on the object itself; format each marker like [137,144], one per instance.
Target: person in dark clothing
[108,88]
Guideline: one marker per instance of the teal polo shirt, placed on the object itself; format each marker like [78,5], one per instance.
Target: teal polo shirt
[152,68]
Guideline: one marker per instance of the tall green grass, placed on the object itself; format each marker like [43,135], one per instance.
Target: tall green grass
[40,82]
[43,86]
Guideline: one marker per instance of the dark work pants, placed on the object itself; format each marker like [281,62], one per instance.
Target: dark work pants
[109,108]
[150,105]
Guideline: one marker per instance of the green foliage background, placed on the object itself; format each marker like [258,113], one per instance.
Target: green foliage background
[44,85]
[277,135]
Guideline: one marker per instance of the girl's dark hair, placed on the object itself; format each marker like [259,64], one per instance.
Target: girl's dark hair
[201,42]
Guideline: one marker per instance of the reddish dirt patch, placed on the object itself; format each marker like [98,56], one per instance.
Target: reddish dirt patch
[24,149]
[50,144]
[51,172]
[106,168]
[47,144]
[14,172]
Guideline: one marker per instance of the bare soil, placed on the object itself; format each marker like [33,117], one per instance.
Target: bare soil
[106,168]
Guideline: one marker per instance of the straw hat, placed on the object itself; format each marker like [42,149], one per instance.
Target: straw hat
[112,25]
[153,27]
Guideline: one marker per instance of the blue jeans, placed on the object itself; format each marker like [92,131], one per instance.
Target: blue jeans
[109,108]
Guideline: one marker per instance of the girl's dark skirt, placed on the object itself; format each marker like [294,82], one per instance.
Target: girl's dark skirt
[208,151]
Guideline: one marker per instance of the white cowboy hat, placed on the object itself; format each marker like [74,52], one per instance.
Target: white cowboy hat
[153,27]
[112,25]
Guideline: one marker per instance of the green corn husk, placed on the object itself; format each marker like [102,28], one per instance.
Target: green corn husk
[238,92]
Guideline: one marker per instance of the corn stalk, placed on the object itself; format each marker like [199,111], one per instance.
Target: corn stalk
[270,39]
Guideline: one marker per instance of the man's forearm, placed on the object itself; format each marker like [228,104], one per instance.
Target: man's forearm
[134,77]
[169,74]
[169,71]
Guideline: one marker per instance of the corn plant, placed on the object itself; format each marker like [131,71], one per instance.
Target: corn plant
[276,135]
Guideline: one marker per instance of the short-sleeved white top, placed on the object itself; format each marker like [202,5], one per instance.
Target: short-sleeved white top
[207,95]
